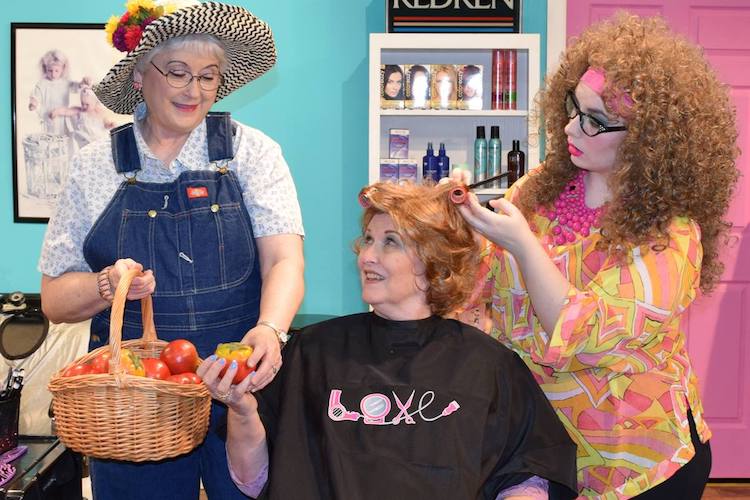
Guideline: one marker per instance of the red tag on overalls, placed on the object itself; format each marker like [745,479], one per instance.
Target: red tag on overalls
[197,192]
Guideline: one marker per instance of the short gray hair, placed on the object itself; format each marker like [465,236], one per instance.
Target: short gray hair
[201,43]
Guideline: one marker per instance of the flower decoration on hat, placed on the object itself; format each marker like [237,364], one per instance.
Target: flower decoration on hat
[124,32]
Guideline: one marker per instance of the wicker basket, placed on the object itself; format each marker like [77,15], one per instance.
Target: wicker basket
[125,417]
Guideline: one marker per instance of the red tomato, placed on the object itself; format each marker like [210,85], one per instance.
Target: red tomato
[100,364]
[193,377]
[180,356]
[78,369]
[185,378]
[180,378]
[235,351]
[156,368]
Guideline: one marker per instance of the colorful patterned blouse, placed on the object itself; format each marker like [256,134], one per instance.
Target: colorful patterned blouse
[615,368]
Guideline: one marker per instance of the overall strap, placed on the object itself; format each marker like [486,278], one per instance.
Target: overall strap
[219,133]
[124,149]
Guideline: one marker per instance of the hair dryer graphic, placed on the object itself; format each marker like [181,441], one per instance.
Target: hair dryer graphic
[337,412]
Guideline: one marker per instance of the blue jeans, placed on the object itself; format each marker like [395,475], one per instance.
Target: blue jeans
[171,479]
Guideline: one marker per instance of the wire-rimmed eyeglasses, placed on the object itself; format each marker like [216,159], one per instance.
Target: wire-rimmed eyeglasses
[180,79]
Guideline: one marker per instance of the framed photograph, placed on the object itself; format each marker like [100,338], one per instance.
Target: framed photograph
[391,86]
[418,93]
[54,111]
[470,86]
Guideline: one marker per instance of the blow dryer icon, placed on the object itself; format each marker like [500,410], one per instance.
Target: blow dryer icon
[337,412]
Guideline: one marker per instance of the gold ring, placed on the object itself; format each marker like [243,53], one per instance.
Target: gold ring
[274,370]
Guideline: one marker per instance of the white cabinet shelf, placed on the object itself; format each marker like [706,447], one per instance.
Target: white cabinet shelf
[452,112]
[456,128]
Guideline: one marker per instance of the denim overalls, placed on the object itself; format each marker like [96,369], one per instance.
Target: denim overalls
[196,236]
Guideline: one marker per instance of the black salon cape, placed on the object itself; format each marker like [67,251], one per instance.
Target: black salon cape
[502,429]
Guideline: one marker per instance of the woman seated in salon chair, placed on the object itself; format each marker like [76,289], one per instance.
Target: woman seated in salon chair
[398,402]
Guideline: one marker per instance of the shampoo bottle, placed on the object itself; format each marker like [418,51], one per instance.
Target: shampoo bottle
[494,154]
[480,155]
[516,163]
[429,165]
[521,160]
[443,162]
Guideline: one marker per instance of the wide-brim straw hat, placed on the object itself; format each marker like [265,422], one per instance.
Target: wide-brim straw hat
[248,41]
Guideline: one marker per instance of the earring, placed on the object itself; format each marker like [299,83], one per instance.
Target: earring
[137,86]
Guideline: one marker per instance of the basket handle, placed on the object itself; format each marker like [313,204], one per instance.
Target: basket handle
[117,314]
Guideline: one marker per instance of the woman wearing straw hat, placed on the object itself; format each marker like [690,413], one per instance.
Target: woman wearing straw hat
[204,205]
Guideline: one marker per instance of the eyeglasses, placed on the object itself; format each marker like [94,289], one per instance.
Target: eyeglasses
[590,125]
[180,79]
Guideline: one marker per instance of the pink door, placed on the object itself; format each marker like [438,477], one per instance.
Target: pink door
[718,326]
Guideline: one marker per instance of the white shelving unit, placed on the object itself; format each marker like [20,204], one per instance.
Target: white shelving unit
[456,128]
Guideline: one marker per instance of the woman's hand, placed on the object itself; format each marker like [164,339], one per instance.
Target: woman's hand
[266,355]
[236,397]
[142,286]
[506,226]
[461,177]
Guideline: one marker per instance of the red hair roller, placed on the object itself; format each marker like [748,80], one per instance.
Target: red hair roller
[364,201]
[458,194]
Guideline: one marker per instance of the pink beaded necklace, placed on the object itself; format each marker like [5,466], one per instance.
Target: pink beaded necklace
[571,212]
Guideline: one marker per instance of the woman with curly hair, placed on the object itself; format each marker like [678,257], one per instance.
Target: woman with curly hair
[594,257]
[399,402]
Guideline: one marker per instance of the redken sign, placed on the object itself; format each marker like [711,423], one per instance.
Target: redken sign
[453,16]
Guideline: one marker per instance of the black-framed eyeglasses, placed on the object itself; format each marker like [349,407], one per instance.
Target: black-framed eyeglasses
[180,79]
[590,125]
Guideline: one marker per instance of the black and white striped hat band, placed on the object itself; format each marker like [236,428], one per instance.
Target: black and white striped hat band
[248,41]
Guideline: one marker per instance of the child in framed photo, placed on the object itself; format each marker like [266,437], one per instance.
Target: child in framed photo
[417,86]
[470,87]
[391,86]
[444,84]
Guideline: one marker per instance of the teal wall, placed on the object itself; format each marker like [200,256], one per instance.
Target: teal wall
[314,103]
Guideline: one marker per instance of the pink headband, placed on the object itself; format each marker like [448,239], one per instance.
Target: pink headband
[595,78]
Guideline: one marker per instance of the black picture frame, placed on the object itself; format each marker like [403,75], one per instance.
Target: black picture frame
[42,141]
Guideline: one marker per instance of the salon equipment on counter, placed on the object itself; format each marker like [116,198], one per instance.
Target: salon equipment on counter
[23,326]
[45,469]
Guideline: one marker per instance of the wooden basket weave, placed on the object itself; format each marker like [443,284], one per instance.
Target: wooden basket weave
[125,417]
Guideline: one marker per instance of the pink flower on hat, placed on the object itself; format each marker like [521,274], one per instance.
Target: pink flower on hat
[124,33]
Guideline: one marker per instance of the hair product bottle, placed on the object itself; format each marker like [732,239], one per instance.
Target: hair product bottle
[443,162]
[494,155]
[516,163]
[480,155]
[429,165]
[509,80]
[498,62]
[521,160]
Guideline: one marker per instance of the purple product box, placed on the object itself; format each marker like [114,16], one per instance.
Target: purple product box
[398,143]
[388,170]
[408,171]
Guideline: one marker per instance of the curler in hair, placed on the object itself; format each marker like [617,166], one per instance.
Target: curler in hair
[458,194]
[364,200]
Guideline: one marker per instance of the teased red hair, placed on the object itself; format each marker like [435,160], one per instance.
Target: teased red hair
[431,225]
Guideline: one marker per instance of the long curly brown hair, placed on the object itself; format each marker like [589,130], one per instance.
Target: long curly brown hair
[678,157]
[431,225]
